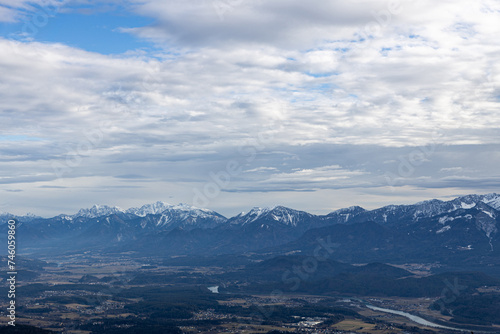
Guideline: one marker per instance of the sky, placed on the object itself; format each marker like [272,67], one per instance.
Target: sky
[230,104]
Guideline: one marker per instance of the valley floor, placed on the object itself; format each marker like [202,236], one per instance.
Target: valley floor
[94,294]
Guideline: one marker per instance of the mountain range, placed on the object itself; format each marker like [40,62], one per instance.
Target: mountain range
[462,230]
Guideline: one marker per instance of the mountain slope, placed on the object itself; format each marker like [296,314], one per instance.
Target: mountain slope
[396,214]
[463,236]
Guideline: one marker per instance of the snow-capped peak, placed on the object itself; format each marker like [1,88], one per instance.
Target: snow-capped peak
[492,200]
[487,209]
[153,209]
[161,207]
[349,210]
[346,213]
[435,207]
[150,209]
[245,218]
[28,215]
[258,211]
[277,213]
[430,201]
[98,211]
[470,201]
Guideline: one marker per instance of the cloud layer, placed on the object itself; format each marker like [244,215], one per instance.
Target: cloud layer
[323,104]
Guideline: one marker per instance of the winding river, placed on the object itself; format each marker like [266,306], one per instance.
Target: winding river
[414,318]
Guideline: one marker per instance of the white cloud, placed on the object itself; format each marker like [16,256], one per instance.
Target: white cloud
[321,176]
[7,14]
[297,73]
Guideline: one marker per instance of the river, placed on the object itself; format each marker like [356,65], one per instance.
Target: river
[413,318]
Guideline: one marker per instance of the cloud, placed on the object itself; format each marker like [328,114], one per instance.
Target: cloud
[7,14]
[452,169]
[303,96]
[321,176]
[301,180]
[52,187]
[283,23]
[131,176]
[261,169]
[29,12]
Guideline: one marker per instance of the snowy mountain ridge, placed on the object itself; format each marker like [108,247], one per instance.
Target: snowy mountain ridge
[283,214]
[433,207]
[280,214]
[466,226]
[159,207]
[98,211]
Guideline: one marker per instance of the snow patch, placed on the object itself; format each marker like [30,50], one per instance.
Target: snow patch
[444,229]
[464,205]
[492,200]
[214,289]
[489,214]
[445,219]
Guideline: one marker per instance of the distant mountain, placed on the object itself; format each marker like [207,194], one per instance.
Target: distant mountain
[103,226]
[153,209]
[394,214]
[170,213]
[181,212]
[257,229]
[463,236]
[344,215]
[277,214]
[5,215]
[460,231]
[28,217]
[98,211]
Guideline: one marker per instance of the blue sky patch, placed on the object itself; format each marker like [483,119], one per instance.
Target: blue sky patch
[95,33]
